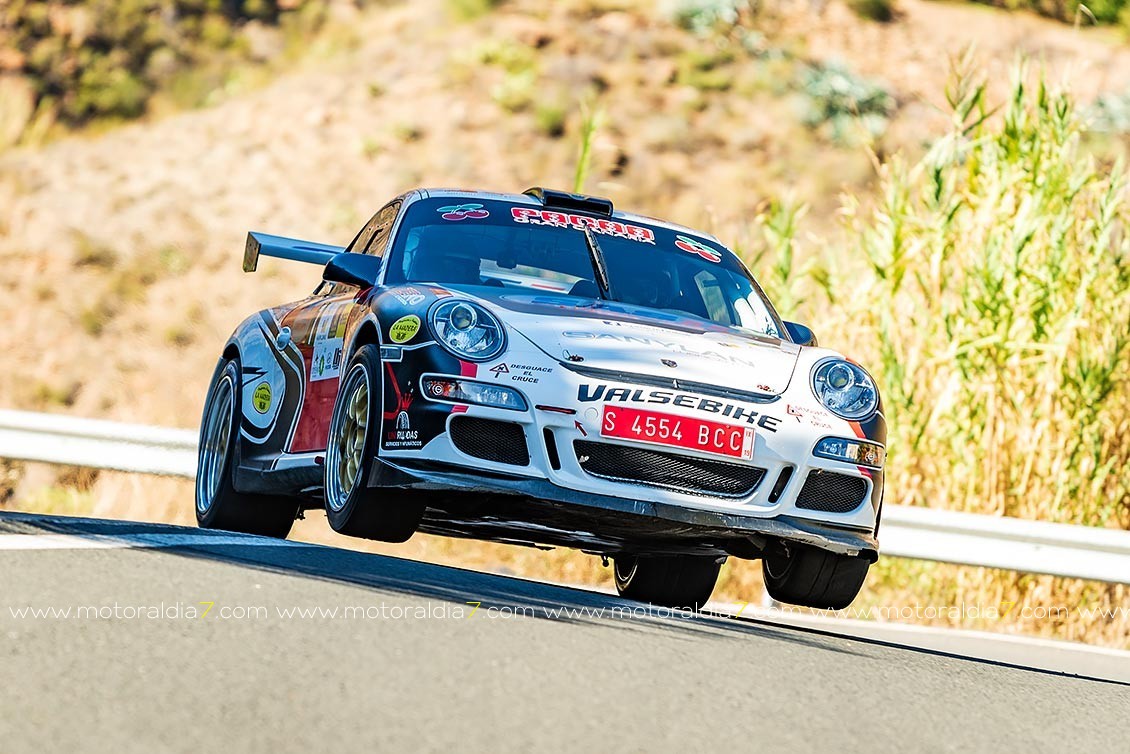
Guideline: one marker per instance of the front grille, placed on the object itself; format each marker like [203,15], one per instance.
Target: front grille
[654,468]
[490,440]
[831,492]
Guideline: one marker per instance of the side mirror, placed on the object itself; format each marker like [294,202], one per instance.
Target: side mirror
[351,268]
[800,334]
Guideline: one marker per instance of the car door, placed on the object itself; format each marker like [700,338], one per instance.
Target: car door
[318,326]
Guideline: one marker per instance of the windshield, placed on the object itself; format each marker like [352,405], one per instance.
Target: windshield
[522,247]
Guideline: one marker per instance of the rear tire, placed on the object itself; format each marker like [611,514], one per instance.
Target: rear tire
[678,581]
[352,507]
[218,504]
[811,577]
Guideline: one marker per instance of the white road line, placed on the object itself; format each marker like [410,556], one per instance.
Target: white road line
[134,541]
[895,631]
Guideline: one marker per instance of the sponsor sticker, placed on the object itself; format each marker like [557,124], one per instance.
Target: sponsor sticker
[607,227]
[732,411]
[459,212]
[694,246]
[815,417]
[528,373]
[404,329]
[329,345]
[408,296]
[261,398]
[668,345]
[402,436]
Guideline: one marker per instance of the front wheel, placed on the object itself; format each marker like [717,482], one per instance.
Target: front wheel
[218,504]
[679,581]
[351,449]
[811,577]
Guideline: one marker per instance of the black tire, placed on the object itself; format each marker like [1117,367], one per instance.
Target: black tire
[679,581]
[218,504]
[352,507]
[811,577]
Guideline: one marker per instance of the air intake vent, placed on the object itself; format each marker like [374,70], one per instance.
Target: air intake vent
[831,492]
[700,476]
[551,449]
[490,440]
[781,483]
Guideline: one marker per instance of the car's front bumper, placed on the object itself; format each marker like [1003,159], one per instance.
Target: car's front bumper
[523,510]
[564,405]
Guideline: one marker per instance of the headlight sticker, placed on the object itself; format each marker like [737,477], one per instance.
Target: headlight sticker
[261,398]
[404,329]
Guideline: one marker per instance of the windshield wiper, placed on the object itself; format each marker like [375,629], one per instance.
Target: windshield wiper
[599,267]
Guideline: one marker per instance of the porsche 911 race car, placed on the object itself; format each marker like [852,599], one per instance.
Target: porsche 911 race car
[540,369]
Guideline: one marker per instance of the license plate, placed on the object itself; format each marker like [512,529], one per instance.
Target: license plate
[733,440]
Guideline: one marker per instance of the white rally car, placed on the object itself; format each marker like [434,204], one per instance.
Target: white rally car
[540,369]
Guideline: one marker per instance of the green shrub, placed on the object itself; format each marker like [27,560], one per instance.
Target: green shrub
[468,10]
[1110,114]
[1102,11]
[705,16]
[516,91]
[706,70]
[844,104]
[91,59]
[550,119]
[882,11]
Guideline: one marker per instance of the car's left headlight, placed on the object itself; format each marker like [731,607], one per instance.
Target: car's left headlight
[467,330]
[845,389]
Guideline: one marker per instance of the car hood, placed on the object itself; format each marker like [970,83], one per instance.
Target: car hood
[616,337]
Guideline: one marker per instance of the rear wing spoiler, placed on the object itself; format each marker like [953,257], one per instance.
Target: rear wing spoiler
[285,248]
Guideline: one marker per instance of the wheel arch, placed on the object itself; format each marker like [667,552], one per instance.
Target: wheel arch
[367,334]
[231,352]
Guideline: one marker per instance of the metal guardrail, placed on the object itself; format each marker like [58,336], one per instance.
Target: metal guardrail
[921,533]
[98,444]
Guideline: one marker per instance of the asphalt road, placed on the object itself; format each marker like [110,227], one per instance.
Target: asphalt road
[412,669]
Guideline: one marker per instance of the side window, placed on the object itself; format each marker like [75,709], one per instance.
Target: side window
[382,225]
[374,236]
[361,240]
[372,239]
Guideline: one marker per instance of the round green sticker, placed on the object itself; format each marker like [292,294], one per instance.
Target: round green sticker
[404,329]
[261,398]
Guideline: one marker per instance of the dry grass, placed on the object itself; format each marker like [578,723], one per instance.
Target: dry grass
[989,289]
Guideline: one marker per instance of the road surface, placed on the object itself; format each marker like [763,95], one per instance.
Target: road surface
[157,638]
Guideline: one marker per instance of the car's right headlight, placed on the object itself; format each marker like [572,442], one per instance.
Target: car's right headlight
[845,389]
[467,330]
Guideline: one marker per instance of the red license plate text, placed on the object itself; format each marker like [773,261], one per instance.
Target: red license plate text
[733,440]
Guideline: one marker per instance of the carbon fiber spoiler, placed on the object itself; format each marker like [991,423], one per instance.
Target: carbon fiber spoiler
[285,248]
